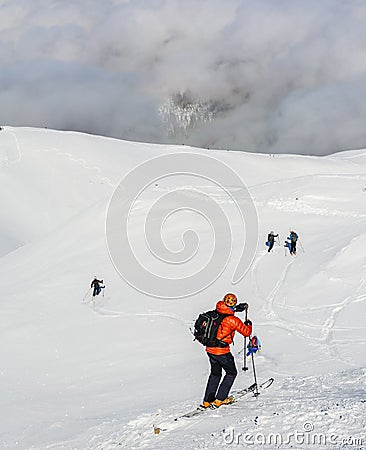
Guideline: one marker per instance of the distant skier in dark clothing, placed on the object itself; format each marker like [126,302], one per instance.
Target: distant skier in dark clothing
[271,240]
[293,241]
[97,285]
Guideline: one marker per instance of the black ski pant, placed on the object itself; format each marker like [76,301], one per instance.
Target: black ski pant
[219,362]
[271,244]
[96,291]
[293,247]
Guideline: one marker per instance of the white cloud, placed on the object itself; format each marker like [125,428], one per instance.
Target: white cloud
[285,76]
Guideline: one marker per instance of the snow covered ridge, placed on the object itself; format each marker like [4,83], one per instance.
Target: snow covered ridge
[102,373]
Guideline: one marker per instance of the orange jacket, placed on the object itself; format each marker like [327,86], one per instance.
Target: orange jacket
[227,329]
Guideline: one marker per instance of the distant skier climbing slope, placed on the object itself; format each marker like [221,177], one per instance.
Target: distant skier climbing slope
[97,285]
[271,240]
[293,240]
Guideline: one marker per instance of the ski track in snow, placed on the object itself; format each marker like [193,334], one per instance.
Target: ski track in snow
[80,161]
[297,206]
[328,326]
[12,159]
[96,306]
[303,207]
[268,302]
[253,271]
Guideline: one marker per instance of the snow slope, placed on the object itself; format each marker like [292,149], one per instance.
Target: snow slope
[99,375]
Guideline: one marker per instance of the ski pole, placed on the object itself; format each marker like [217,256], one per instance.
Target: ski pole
[302,248]
[245,367]
[256,393]
[86,294]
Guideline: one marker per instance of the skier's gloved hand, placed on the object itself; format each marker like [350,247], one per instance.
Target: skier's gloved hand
[248,322]
[241,307]
[252,350]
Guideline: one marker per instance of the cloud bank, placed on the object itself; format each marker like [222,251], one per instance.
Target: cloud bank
[285,76]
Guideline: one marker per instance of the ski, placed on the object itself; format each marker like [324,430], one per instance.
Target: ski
[237,396]
[266,384]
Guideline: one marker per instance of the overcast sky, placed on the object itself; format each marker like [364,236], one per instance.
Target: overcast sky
[271,75]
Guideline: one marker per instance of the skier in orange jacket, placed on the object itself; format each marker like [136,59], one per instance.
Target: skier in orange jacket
[217,393]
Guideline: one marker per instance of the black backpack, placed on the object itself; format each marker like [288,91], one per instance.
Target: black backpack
[206,327]
[294,237]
